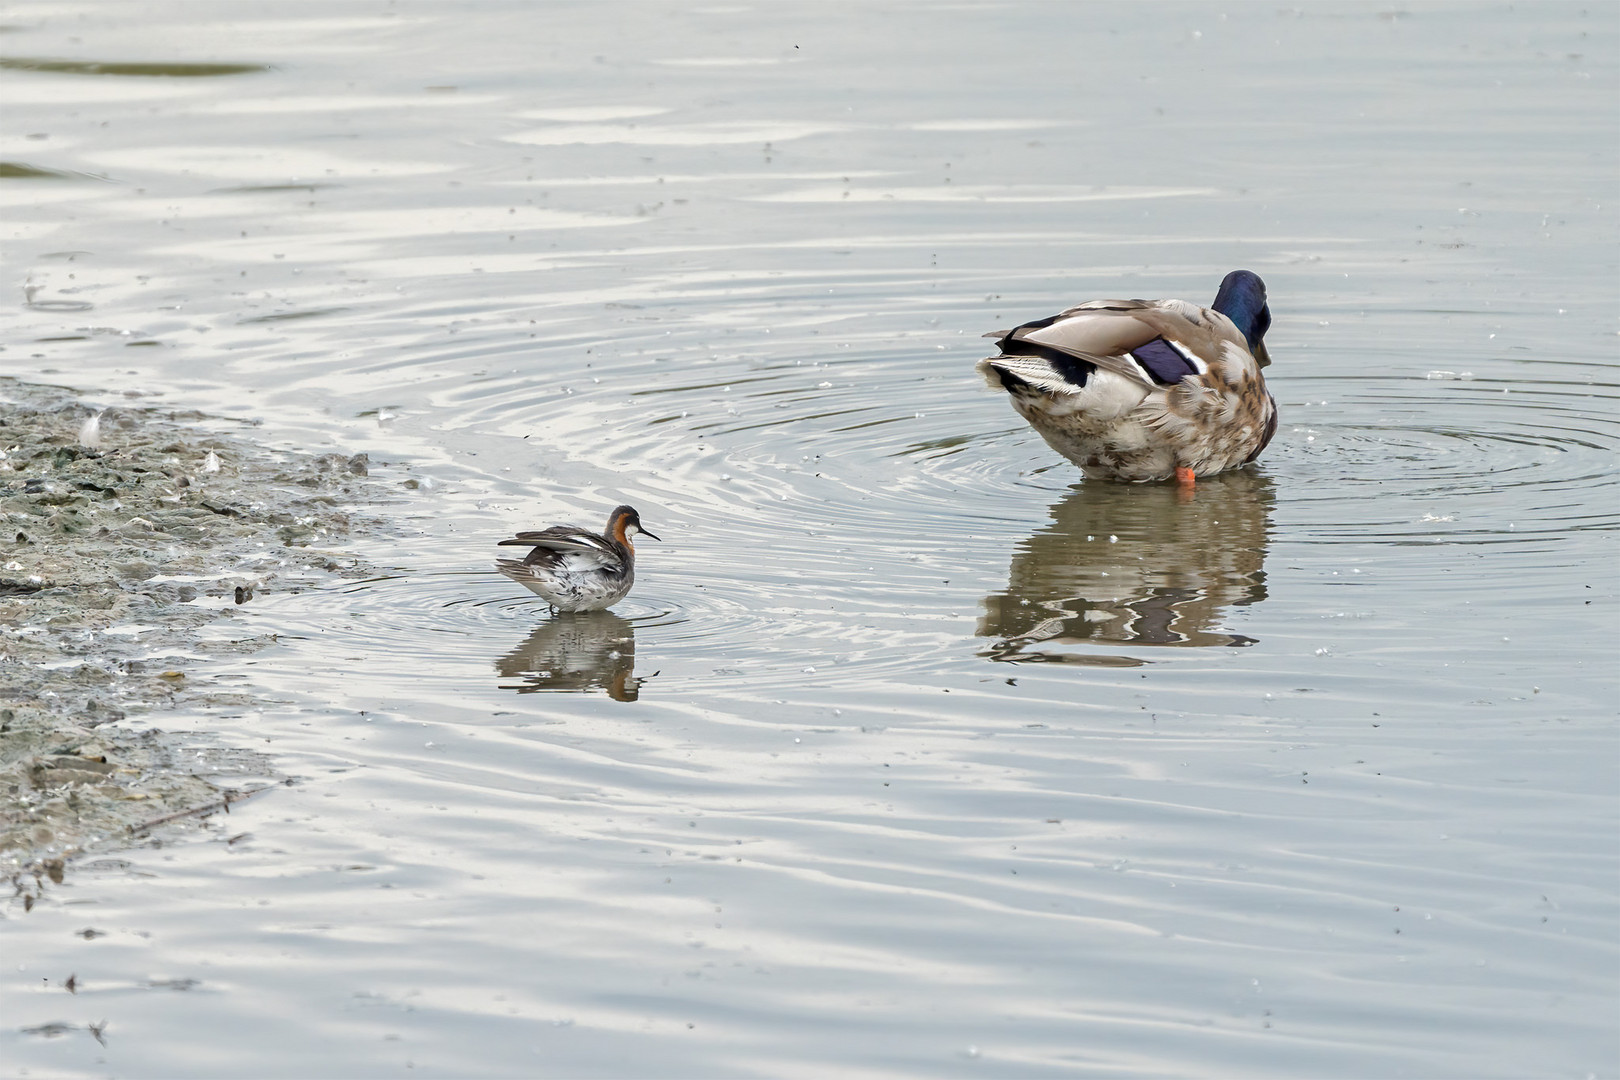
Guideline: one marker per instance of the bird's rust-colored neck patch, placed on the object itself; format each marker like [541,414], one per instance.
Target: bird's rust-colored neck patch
[619,534]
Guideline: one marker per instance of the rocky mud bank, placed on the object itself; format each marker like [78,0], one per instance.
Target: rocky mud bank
[129,538]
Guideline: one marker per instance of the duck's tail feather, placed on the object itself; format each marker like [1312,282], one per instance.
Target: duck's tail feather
[1054,374]
[517,571]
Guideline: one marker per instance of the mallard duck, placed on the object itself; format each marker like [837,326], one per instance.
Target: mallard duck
[1146,389]
[574,569]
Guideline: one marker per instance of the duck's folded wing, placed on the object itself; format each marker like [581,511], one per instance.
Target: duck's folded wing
[1151,343]
[567,547]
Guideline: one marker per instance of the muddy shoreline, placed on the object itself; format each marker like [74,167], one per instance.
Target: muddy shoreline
[130,535]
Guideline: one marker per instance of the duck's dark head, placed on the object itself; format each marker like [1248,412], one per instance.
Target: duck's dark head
[1242,298]
[624,523]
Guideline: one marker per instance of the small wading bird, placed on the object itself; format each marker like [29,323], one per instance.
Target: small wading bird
[574,569]
[1146,389]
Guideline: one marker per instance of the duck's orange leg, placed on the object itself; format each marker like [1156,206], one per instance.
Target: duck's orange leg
[1186,478]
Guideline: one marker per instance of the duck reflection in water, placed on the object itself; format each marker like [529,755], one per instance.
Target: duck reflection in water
[1137,564]
[590,650]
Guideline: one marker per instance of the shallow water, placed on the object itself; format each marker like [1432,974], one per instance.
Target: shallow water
[909,754]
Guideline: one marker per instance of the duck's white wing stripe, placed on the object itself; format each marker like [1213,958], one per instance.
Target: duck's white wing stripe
[579,552]
[1188,355]
[576,542]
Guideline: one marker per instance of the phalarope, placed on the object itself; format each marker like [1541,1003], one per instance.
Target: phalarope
[574,569]
[1146,389]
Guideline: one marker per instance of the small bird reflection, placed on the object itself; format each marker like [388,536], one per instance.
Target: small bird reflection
[1140,564]
[583,651]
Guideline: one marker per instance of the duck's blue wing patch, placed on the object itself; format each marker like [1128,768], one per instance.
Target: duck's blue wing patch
[1163,361]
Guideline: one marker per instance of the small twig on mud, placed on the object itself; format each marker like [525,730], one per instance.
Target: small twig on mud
[223,804]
